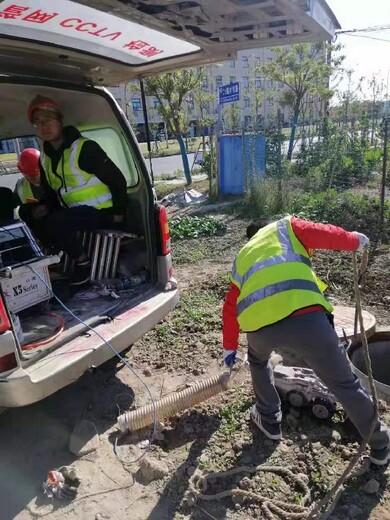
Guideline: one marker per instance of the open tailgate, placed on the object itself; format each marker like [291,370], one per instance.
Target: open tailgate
[105,42]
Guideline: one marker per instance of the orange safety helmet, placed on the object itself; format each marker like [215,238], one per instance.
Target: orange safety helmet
[43,103]
[28,163]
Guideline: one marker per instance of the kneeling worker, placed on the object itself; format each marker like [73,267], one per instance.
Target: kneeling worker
[276,298]
[28,189]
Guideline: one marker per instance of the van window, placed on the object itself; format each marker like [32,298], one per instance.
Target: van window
[117,150]
[11,148]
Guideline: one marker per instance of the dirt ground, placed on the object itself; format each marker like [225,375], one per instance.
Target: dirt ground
[213,437]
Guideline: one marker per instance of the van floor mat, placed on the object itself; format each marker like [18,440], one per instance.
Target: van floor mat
[39,326]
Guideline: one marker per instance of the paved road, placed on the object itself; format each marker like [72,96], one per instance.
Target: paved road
[9,180]
[169,164]
[161,165]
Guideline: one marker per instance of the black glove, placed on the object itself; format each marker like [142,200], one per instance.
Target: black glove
[69,489]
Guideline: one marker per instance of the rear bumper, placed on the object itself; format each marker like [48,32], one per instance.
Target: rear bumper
[66,364]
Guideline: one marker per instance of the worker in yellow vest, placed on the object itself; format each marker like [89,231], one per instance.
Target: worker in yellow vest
[276,298]
[28,189]
[85,189]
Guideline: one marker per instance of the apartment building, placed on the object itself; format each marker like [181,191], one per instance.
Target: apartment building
[258,96]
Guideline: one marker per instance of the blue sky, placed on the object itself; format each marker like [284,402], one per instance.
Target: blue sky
[364,55]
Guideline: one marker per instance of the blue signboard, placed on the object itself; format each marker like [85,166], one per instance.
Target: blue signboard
[229,93]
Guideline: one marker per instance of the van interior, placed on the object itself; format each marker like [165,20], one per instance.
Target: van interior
[117,287]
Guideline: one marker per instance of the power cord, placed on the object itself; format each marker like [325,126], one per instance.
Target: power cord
[153,433]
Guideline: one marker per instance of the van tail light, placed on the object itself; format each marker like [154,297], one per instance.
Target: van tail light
[7,359]
[164,230]
[8,362]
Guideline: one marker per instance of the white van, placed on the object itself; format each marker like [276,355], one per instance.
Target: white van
[68,51]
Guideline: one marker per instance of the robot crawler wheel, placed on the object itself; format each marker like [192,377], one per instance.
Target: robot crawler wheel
[322,408]
[296,399]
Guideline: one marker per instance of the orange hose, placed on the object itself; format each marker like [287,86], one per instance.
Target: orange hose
[30,346]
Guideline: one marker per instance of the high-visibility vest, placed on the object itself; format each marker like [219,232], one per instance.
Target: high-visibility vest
[24,190]
[274,275]
[75,186]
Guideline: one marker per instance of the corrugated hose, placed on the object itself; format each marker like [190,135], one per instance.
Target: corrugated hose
[174,403]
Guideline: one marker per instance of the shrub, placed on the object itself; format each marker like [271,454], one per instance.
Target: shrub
[348,210]
[194,227]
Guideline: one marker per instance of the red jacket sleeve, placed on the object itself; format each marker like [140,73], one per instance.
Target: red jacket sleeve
[230,327]
[324,236]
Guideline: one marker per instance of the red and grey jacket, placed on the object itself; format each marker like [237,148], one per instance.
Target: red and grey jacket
[311,236]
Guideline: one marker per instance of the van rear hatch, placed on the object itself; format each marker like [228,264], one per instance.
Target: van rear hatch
[111,41]
[65,363]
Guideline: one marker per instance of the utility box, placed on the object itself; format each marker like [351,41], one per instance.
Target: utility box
[241,162]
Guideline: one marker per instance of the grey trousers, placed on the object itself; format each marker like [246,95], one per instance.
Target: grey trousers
[312,337]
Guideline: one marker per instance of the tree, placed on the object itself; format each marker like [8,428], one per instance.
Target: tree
[172,91]
[257,96]
[204,100]
[231,117]
[303,69]
[377,89]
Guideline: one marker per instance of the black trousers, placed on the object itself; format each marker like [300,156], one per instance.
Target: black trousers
[58,228]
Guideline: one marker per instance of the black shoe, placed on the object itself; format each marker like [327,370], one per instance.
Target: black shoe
[81,275]
[272,431]
[380,457]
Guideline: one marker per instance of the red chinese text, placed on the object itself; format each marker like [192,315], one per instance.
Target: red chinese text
[39,16]
[144,48]
[13,11]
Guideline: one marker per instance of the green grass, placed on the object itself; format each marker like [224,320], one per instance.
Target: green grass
[195,227]
[173,147]
[7,157]
[232,413]
[198,306]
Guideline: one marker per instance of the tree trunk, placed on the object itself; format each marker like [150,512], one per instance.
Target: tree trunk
[166,135]
[292,135]
[184,156]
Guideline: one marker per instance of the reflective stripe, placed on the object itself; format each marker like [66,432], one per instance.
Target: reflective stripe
[287,255]
[278,259]
[80,188]
[19,189]
[75,149]
[24,190]
[95,202]
[235,275]
[283,235]
[276,288]
[93,181]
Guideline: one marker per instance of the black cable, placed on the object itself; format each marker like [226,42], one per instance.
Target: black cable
[368,37]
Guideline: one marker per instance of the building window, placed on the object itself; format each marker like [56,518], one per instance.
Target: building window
[245,62]
[232,79]
[258,83]
[257,61]
[136,104]
[270,83]
[218,81]
[156,103]
[247,121]
[281,84]
[232,64]
[205,85]
[247,102]
[190,104]
[245,82]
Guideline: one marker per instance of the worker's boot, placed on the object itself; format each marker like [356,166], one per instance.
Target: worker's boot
[272,431]
[82,273]
[380,457]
